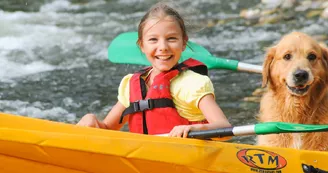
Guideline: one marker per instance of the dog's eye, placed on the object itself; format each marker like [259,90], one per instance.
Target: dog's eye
[288,57]
[311,57]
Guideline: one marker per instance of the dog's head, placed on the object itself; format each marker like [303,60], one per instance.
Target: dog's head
[295,64]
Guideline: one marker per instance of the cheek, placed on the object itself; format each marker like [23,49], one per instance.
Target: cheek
[279,72]
[147,50]
[319,71]
[178,47]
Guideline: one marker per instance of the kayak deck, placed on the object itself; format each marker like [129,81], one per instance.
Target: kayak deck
[38,145]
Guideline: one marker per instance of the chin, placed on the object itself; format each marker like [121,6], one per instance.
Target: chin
[164,68]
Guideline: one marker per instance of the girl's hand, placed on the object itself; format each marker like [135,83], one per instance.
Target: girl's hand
[111,121]
[89,120]
[183,130]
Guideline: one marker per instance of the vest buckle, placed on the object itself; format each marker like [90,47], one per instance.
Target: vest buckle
[142,105]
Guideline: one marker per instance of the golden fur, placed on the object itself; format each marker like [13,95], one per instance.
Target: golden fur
[296,72]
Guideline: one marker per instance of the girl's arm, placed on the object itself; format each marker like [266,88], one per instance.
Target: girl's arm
[212,113]
[110,122]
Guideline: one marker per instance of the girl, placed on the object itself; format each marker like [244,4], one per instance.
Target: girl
[167,97]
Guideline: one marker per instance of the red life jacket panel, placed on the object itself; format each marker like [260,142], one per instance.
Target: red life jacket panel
[153,112]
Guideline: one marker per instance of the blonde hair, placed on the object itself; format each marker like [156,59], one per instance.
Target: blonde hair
[160,11]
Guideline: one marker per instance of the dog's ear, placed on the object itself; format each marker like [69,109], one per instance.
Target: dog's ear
[266,66]
[324,51]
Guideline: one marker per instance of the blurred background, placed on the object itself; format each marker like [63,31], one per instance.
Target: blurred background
[53,53]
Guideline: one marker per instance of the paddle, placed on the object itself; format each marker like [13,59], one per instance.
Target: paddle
[258,129]
[124,49]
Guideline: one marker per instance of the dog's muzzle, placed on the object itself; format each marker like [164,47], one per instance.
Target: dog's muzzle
[300,77]
[300,80]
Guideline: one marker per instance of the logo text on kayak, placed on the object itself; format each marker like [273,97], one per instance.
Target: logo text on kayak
[259,159]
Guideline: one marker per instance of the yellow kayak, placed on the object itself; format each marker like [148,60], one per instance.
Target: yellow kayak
[39,146]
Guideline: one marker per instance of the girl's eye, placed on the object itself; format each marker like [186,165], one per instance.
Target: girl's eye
[172,38]
[287,57]
[311,57]
[152,39]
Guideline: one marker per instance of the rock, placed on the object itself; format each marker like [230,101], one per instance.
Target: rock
[313,13]
[288,4]
[320,38]
[272,3]
[324,14]
[270,19]
[252,99]
[256,95]
[279,3]
[268,12]
[305,5]
[325,5]
[250,14]
[259,91]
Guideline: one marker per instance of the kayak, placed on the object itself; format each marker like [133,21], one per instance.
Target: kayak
[38,146]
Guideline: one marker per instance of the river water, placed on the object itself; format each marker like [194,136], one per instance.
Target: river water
[53,53]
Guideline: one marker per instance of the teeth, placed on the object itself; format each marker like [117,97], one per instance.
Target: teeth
[298,90]
[163,57]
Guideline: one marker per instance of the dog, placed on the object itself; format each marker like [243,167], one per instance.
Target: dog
[295,72]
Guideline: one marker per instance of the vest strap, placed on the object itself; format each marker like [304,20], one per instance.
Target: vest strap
[147,104]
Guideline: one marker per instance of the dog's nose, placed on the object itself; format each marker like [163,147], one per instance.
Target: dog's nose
[301,77]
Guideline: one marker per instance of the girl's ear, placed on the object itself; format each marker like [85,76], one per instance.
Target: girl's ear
[141,47]
[266,66]
[184,47]
[139,43]
[185,42]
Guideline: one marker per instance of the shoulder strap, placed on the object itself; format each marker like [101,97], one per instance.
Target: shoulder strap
[193,65]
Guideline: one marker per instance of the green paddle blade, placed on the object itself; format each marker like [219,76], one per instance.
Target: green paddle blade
[124,49]
[281,127]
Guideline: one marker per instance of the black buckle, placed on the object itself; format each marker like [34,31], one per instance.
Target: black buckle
[142,105]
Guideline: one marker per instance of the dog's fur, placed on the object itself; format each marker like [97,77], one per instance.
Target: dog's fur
[296,63]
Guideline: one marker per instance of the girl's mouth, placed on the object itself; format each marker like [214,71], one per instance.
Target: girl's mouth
[164,58]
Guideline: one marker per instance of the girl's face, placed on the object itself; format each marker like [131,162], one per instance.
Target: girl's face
[162,43]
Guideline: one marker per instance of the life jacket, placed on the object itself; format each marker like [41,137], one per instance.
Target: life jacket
[153,111]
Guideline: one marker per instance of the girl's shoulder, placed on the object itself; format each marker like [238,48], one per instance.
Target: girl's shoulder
[191,76]
[190,81]
[126,78]
[125,83]
[124,90]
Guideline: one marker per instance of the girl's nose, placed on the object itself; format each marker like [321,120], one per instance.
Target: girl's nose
[163,46]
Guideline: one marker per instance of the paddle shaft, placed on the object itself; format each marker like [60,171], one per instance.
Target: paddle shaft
[223,132]
[258,129]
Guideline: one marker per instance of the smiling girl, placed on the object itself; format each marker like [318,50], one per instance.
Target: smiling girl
[167,97]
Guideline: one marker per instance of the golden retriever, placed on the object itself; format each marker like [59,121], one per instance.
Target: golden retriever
[296,72]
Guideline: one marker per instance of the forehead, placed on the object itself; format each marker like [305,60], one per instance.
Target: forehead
[298,42]
[165,24]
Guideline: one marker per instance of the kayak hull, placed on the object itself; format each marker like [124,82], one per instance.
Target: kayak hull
[40,145]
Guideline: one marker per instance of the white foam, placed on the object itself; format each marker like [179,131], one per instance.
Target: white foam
[23,35]
[129,1]
[314,29]
[58,5]
[37,110]
[10,70]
